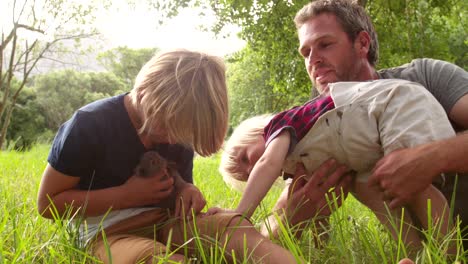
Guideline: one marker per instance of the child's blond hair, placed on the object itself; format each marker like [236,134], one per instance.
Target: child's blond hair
[184,93]
[245,134]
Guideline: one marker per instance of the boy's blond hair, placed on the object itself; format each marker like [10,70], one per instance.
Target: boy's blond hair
[245,134]
[184,93]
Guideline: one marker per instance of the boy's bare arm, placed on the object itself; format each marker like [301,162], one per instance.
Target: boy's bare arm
[60,191]
[264,173]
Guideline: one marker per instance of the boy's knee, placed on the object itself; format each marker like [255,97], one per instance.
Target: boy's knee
[406,261]
[241,228]
[240,223]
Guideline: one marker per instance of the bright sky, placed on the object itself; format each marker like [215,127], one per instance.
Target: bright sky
[138,28]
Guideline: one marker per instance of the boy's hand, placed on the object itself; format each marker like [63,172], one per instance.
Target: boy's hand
[141,191]
[217,210]
[189,199]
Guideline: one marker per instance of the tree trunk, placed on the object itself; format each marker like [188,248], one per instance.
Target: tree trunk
[6,123]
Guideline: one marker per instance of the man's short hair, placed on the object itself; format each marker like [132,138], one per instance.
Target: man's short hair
[351,16]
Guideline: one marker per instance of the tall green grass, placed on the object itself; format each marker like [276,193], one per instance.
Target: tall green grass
[354,234]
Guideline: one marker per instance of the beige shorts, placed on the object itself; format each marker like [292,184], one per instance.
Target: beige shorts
[370,120]
[154,233]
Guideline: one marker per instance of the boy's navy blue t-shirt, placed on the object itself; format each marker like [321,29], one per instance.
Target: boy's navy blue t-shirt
[100,145]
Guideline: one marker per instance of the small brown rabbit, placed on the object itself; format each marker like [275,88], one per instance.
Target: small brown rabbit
[151,163]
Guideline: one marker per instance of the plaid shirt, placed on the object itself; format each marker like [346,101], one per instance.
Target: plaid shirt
[298,120]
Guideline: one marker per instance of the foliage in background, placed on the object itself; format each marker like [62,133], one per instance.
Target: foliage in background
[51,98]
[126,62]
[61,93]
[407,29]
[250,92]
[35,33]
[28,125]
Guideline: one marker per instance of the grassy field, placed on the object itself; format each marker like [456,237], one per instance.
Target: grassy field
[355,236]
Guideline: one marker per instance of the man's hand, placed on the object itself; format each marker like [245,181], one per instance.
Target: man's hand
[189,199]
[308,199]
[140,191]
[405,172]
[304,200]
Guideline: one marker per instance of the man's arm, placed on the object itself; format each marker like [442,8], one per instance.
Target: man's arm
[459,112]
[406,172]
[305,200]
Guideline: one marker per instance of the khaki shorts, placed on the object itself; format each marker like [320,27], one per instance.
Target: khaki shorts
[155,233]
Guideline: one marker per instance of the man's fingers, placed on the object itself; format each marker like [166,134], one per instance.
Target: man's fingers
[376,176]
[345,184]
[374,180]
[325,183]
[297,184]
[299,179]
[322,172]
[300,169]
[342,189]
[335,177]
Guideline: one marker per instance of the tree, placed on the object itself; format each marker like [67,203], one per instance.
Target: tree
[56,95]
[35,33]
[61,93]
[27,125]
[125,62]
[407,29]
[250,92]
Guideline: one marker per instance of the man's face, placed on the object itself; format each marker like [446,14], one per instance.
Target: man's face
[329,54]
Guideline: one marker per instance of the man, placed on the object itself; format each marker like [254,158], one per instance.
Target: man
[338,43]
